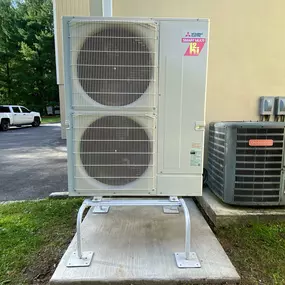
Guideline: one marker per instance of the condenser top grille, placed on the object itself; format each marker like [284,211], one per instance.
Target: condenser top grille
[258,168]
[114,61]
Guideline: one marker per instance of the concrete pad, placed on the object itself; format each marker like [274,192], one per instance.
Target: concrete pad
[222,214]
[136,245]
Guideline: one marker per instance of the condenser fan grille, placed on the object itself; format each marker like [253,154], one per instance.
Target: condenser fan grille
[115,64]
[115,150]
[258,169]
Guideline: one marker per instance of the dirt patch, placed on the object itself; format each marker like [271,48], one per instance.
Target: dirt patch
[42,269]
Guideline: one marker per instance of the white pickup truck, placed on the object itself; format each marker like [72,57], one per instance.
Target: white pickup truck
[11,115]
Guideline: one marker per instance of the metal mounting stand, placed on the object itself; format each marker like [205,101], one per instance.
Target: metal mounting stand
[186,259]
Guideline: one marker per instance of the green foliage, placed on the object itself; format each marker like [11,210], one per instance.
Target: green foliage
[51,119]
[9,47]
[27,53]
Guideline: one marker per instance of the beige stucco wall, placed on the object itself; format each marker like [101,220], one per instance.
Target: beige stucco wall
[246,59]
[246,53]
[67,8]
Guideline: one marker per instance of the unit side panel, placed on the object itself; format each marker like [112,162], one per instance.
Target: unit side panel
[182,88]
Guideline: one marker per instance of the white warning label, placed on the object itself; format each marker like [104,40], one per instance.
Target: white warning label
[196,154]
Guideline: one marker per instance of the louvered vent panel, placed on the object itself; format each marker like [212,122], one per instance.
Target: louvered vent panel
[258,169]
[216,159]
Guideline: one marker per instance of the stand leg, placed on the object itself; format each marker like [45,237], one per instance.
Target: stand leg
[187,259]
[78,228]
[187,229]
[79,258]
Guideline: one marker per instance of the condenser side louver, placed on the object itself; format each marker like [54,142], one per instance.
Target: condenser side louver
[246,162]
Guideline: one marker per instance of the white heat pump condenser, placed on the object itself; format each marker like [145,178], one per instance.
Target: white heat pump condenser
[135,92]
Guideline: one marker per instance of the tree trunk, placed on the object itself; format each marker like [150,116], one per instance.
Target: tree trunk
[9,91]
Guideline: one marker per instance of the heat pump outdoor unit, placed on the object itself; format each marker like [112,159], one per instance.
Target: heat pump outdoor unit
[135,111]
[135,105]
[246,162]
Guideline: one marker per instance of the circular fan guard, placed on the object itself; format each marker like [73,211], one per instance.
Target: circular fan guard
[114,66]
[115,150]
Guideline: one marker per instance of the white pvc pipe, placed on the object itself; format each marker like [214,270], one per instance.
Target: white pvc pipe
[56,42]
[107,8]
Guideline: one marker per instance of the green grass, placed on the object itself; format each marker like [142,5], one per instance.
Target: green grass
[34,236]
[50,119]
[257,251]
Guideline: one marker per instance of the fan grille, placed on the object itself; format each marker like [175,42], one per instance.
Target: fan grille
[115,150]
[114,66]
[258,169]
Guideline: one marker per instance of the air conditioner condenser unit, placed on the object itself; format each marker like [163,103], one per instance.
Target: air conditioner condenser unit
[246,162]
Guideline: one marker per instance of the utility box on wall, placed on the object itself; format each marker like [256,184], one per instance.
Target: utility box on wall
[279,106]
[266,106]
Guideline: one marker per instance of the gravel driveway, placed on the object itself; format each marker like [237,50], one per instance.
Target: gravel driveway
[32,162]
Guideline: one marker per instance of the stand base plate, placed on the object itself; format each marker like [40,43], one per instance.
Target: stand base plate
[85,261]
[182,262]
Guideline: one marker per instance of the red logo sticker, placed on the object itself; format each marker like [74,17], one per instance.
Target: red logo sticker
[195,43]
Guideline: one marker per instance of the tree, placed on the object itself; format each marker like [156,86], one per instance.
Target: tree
[27,53]
[9,47]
